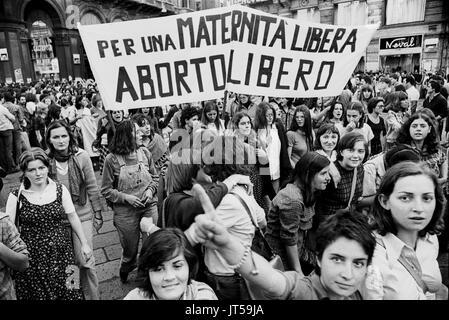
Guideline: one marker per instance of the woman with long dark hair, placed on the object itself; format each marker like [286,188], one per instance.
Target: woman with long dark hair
[407,218]
[129,184]
[300,136]
[290,218]
[272,138]
[420,132]
[210,118]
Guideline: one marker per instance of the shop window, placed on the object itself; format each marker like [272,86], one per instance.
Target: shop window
[403,11]
[351,13]
[308,15]
[90,18]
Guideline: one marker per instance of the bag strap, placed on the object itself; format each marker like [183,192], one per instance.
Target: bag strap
[413,273]
[163,213]
[354,183]
[407,267]
[253,222]
[16,218]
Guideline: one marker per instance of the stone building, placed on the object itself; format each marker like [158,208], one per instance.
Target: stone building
[413,34]
[39,38]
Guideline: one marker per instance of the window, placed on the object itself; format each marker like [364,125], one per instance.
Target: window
[351,13]
[90,18]
[402,11]
[308,15]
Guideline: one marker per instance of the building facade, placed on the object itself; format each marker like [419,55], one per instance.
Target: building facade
[413,34]
[39,38]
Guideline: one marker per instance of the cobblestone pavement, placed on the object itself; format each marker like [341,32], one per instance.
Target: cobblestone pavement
[107,251]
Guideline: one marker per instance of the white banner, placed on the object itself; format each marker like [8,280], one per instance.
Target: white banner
[197,56]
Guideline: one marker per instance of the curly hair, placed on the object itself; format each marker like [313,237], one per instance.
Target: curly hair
[330,113]
[383,219]
[431,141]
[186,114]
[260,120]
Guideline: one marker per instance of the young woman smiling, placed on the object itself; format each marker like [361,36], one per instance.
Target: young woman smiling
[167,265]
[351,151]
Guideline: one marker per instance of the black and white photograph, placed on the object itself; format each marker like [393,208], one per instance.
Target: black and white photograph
[233,151]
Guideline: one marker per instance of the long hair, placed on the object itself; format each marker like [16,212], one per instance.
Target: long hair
[26,157]
[383,220]
[330,113]
[393,101]
[209,106]
[307,127]
[260,120]
[124,139]
[160,246]
[305,170]
[73,146]
[366,87]
[431,141]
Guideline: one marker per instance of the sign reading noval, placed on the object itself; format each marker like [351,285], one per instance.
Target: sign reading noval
[401,42]
[197,56]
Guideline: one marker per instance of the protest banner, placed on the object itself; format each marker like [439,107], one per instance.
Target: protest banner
[197,56]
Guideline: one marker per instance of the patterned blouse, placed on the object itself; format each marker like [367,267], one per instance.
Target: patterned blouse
[335,198]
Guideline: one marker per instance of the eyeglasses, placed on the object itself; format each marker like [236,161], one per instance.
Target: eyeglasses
[244,123]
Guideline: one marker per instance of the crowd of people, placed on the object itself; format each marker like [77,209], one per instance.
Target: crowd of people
[349,191]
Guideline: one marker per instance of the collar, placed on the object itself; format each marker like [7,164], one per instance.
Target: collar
[317,286]
[394,246]
[51,184]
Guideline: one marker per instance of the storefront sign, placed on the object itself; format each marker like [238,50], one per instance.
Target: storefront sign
[76,58]
[400,42]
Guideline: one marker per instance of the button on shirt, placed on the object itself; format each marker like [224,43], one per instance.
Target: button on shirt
[398,283]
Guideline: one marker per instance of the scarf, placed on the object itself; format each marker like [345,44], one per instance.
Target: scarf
[157,147]
[77,185]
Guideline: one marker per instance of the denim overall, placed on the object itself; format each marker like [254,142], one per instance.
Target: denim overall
[133,179]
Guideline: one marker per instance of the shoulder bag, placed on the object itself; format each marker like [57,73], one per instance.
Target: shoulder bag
[261,246]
